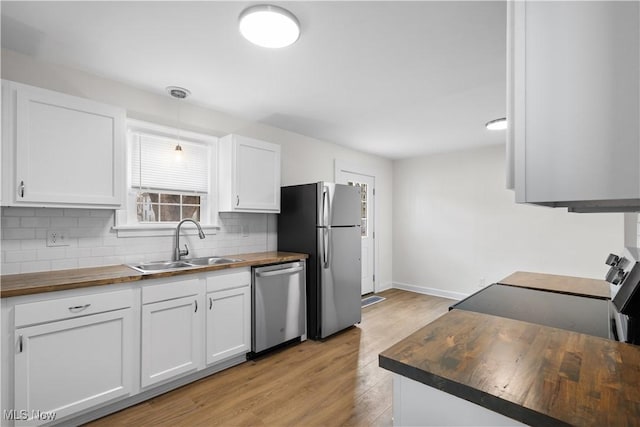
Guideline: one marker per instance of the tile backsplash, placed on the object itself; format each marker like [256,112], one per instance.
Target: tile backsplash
[91,242]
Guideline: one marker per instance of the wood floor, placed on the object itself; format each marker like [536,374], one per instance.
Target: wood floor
[332,383]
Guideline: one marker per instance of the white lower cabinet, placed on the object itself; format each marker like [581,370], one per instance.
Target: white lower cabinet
[228,323]
[171,330]
[69,353]
[75,359]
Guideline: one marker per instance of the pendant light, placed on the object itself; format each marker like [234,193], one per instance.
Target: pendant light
[178,93]
[269,26]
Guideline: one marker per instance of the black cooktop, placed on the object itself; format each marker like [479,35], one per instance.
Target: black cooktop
[589,316]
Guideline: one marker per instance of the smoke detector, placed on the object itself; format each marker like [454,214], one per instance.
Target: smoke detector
[178,92]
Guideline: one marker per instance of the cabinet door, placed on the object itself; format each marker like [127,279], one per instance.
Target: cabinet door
[257,175]
[171,339]
[228,323]
[68,150]
[577,100]
[67,366]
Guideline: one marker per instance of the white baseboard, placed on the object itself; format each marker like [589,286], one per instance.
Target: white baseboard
[430,291]
[383,286]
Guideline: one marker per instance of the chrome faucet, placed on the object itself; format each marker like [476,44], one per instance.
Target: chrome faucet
[177,252]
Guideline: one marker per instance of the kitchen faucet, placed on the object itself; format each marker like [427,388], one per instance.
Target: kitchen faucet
[177,252]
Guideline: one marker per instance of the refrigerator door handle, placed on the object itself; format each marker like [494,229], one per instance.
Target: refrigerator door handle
[325,248]
[325,203]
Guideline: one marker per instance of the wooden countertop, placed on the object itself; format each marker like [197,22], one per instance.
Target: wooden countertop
[563,284]
[535,374]
[50,281]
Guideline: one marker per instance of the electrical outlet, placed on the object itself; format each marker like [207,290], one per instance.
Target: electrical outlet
[57,238]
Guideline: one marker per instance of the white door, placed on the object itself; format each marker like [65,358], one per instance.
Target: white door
[257,174]
[367,214]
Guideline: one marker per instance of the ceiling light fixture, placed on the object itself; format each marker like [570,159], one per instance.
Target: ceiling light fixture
[269,26]
[497,124]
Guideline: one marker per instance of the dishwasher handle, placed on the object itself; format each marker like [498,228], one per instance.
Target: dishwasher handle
[279,272]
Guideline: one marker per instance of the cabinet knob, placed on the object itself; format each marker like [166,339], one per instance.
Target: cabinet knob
[237,200]
[210,303]
[21,189]
[20,344]
[79,308]
[196,310]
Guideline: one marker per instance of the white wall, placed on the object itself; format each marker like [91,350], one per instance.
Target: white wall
[304,159]
[454,224]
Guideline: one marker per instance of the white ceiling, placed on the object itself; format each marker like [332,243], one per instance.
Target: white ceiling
[397,79]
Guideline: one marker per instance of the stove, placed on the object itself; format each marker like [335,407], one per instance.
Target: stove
[586,315]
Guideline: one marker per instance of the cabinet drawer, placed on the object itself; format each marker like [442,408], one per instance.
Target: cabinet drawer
[228,280]
[66,308]
[170,289]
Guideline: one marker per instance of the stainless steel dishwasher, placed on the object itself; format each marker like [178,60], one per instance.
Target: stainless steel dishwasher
[278,304]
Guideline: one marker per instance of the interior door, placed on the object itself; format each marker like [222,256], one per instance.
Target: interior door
[367,209]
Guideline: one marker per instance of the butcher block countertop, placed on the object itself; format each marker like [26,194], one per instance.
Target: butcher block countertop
[535,374]
[563,284]
[50,281]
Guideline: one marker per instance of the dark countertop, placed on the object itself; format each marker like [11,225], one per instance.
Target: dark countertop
[51,281]
[532,373]
[580,286]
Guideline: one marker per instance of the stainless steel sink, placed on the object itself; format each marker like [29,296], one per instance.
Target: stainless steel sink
[154,267]
[159,266]
[214,260]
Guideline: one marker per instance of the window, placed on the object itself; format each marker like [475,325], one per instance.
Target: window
[167,184]
[363,206]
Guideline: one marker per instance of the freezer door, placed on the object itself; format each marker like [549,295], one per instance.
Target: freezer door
[338,204]
[340,276]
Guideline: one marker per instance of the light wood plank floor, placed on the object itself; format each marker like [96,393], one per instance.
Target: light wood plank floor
[332,383]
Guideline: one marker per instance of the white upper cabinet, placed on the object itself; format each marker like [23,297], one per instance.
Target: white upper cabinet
[60,150]
[249,175]
[573,104]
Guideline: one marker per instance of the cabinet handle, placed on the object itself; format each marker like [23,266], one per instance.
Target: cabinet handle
[79,308]
[20,344]
[21,188]
[210,303]
[196,301]
[237,200]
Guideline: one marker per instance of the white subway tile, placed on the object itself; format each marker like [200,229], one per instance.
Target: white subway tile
[77,252]
[32,267]
[64,264]
[52,253]
[13,268]
[21,256]
[18,233]
[103,251]
[10,222]
[34,244]
[90,222]
[35,222]
[77,212]
[89,242]
[102,213]
[90,262]
[10,211]
[49,212]
[64,221]
[113,260]
[41,233]
[11,245]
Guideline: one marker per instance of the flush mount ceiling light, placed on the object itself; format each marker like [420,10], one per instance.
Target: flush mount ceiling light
[497,124]
[269,26]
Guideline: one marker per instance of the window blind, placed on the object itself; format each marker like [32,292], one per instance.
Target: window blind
[154,164]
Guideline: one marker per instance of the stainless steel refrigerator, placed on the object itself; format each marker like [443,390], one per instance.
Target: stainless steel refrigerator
[322,219]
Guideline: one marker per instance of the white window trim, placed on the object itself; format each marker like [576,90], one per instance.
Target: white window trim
[126,224]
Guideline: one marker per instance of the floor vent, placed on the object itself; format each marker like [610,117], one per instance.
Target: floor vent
[366,302]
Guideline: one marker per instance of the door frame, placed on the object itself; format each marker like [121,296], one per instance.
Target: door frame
[341,166]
